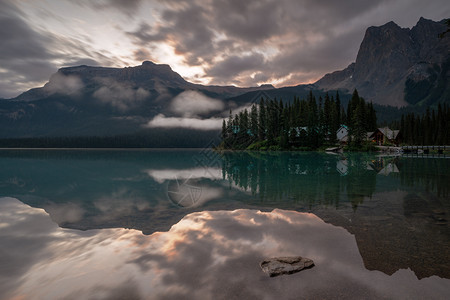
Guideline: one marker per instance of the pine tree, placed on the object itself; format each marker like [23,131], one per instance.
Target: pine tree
[358,127]
[271,121]
[402,127]
[328,118]
[427,127]
[352,105]
[312,123]
[371,118]
[223,134]
[262,120]
[229,135]
[440,126]
[321,122]
[254,122]
[338,109]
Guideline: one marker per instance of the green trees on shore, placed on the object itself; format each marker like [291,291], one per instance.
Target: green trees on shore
[361,118]
[430,128]
[309,123]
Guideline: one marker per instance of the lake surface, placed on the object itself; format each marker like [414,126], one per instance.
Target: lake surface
[193,224]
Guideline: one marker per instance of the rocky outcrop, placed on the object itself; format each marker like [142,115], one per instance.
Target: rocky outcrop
[398,66]
[285,265]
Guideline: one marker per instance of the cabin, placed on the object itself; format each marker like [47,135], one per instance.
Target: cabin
[385,135]
[298,131]
[342,134]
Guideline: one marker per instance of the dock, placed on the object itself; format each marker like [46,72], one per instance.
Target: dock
[334,149]
[425,149]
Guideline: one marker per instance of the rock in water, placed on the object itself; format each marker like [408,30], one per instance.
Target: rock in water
[285,265]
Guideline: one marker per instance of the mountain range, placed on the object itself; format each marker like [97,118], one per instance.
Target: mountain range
[394,66]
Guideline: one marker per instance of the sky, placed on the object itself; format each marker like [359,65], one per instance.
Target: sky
[233,42]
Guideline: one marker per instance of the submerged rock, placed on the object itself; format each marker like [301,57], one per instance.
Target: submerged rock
[285,265]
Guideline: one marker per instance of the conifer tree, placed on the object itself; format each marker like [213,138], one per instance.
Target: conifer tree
[254,122]
[262,120]
[338,109]
[371,118]
[223,134]
[312,123]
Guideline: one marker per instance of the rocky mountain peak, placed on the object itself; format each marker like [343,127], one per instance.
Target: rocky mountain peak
[148,63]
[384,28]
[390,58]
[390,49]
[71,80]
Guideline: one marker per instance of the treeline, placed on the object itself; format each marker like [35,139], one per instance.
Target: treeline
[309,124]
[430,128]
[161,138]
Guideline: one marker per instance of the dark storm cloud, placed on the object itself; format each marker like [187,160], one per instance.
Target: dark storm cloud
[23,51]
[144,34]
[301,40]
[142,54]
[186,29]
[249,21]
[18,39]
[83,61]
[314,59]
[27,56]
[216,34]
[232,41]
[128,7]
[236,64]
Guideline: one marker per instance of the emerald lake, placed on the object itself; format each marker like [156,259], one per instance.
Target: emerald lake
[195,224]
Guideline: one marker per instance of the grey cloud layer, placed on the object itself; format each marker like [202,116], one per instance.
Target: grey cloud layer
[18,40]
[28,56]
[286,40]
[238,42]
[129,7]
[229,38]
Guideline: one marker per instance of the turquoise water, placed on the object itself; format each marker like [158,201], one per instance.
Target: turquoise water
[183,223]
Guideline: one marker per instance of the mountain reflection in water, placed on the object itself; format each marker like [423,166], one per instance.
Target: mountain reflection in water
[207,255]
[397,208]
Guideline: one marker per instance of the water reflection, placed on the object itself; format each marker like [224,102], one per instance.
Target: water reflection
[397,208]
[101,189]
[310,178]
[207,255]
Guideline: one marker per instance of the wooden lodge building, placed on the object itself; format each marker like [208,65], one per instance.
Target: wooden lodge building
[381,136]
[384,135]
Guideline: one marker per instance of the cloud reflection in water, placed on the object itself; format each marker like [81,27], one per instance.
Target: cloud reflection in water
[205,255]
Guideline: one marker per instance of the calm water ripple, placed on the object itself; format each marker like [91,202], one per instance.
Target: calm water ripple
[172,223]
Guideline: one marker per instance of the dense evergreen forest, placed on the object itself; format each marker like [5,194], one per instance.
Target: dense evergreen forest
[430,128]
[272,124]
[301,124]
[162,138]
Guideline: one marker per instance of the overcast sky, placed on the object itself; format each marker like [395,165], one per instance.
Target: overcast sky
[232,42]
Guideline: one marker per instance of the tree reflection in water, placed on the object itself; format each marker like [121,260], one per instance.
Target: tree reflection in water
[309,178]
